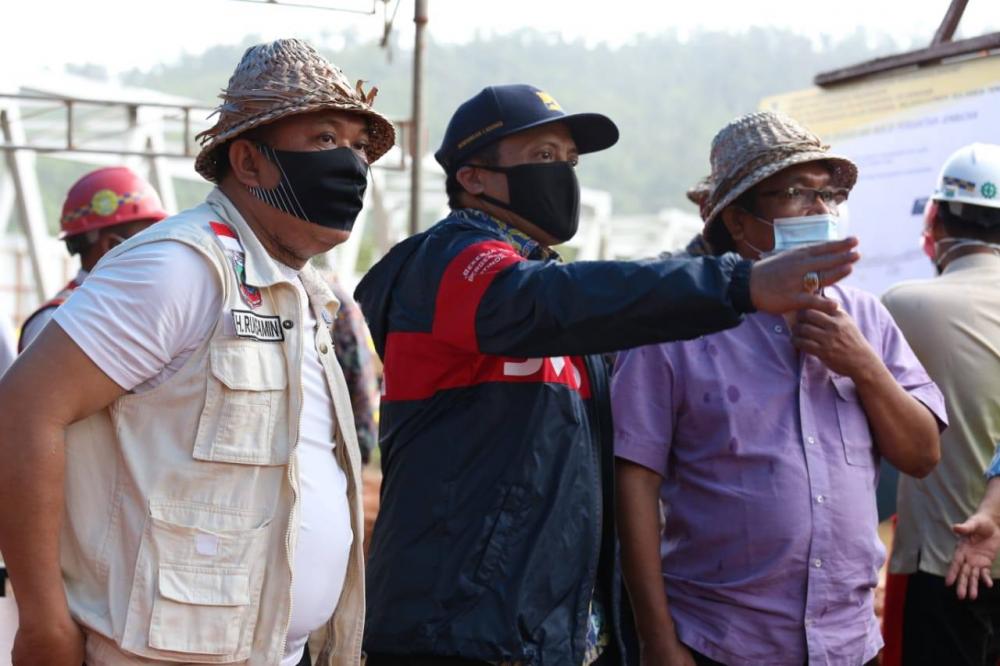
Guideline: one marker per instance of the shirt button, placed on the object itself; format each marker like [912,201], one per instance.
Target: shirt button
[811,440]
[323,348]
[820,499]
[817,563]
[778,328]
[287,324]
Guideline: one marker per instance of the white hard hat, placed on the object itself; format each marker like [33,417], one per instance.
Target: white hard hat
[971,175]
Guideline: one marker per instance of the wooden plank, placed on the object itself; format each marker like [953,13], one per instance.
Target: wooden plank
[932,54]
[949,24]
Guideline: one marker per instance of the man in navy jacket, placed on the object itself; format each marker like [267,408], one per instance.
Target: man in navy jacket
[495,540]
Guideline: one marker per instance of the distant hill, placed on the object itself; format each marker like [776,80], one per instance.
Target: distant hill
[668,95]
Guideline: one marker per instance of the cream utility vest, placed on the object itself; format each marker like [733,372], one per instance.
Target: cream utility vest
[181,502]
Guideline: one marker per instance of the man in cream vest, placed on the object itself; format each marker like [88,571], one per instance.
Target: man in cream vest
[181,473]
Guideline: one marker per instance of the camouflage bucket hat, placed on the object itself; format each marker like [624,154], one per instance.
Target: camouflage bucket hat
[759,145]
[283,78]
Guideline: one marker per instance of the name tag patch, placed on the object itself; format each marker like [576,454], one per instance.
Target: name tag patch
[266,328]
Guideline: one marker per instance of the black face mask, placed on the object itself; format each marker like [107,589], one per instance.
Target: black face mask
[325,187]
[546,194]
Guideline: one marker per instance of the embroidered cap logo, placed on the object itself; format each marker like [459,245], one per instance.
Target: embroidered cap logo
[550,102]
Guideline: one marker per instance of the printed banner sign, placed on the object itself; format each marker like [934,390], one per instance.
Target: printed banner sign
[899,128]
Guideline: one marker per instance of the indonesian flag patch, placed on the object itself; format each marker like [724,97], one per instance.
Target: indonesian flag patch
[230,243]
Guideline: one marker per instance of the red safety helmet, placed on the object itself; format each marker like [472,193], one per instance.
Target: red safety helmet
[106,197]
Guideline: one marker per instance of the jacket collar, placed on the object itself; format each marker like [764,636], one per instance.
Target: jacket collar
[319,292]
[525,245]
[972,261]
[261,269]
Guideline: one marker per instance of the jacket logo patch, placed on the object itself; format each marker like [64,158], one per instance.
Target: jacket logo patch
[251,295]
[485,261]
[230,243]
[265,328]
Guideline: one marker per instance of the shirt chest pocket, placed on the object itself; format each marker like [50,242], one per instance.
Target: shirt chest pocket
[859,448]
[245,419]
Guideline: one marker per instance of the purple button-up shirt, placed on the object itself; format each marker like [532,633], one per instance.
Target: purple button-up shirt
[770,552]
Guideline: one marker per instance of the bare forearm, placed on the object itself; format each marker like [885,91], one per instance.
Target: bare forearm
[990,504]
[37,402]
[904,429]
[31,490]
[639,533]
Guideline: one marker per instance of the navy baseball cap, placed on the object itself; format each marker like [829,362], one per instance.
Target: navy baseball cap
[499,111]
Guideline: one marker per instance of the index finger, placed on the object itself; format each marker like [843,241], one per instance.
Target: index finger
[953,568]
[831,262]
[807,302]
[833,247]
[963,581]
[816,316]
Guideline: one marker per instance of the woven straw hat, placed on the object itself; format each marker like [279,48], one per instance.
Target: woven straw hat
[283,78]
[698,194]
[759,145]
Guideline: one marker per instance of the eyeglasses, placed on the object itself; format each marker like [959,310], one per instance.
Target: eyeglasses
[805,197]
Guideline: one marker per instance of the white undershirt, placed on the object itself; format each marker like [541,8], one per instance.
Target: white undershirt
[139,323]
[325,536]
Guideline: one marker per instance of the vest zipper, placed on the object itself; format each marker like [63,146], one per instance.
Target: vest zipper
[292,474]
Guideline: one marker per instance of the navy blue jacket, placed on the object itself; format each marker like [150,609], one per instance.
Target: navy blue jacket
[497,517]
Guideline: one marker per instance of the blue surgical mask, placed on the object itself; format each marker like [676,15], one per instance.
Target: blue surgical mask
[795,232]
[791,233]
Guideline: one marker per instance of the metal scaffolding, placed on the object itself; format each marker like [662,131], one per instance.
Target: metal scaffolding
[145,129]
[152,133]
[73,118]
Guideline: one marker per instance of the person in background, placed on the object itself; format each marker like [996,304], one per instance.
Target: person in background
[350,343]
[102,209]
[495,540]
[698,195]
[762,441]
[948,525]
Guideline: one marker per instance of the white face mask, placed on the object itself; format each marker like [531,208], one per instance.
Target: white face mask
[791,233]
[795,232]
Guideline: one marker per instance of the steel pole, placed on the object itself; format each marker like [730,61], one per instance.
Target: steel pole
[417,138]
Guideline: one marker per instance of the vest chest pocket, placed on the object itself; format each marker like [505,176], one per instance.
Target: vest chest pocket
[245,419]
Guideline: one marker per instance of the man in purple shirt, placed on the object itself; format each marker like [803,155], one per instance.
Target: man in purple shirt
[762,442]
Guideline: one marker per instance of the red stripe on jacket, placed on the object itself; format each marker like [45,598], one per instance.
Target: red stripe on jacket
[418,365]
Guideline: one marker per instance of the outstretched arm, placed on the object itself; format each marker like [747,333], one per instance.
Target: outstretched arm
[533,309]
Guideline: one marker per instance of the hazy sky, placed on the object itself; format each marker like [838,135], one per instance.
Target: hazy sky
[122,34]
